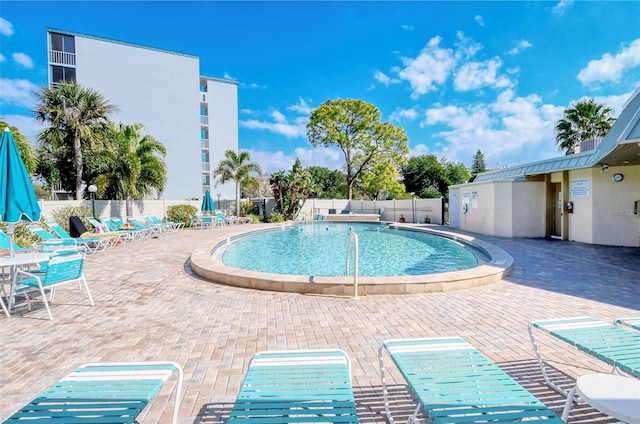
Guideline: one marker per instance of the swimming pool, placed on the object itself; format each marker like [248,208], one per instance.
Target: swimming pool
[320,249]
[206,261]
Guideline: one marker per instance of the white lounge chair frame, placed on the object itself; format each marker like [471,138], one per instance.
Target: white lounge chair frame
[609,343]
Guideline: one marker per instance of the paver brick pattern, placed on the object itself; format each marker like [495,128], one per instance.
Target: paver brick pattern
[150,306]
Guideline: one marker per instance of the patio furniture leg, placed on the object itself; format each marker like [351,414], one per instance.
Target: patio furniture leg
[542,365]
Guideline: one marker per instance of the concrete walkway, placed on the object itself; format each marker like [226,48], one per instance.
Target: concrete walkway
[150,306]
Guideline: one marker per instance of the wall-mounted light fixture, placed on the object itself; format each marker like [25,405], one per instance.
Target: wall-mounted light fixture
[604,168]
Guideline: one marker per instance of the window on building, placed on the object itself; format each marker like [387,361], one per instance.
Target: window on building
[62,73]
[205,179]
[63,43]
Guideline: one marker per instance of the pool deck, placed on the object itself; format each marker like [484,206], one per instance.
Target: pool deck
[151,306]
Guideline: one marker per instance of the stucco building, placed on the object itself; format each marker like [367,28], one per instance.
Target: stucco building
[590,197]
[194,116]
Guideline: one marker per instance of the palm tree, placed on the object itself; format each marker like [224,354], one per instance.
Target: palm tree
[26,149]
[76,117]
[585,121]
[131,166]
[237,167]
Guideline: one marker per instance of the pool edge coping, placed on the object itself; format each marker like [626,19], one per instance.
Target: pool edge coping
[209,267]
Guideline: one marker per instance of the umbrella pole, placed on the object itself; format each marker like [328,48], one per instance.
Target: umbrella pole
[10,230]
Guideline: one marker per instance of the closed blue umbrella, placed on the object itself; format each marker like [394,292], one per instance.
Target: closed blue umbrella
[207,202]
[17,198]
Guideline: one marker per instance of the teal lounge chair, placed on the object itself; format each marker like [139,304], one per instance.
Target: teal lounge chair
[102,393]
[93,244]
[49,241]
[633,322]
[139,232]
[172,225]
[296,386]
[5,243]
[612,344]
[456,384]
[139,225]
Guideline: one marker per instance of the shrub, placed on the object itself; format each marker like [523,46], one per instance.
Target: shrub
[255,219]
[181,213]
[21,235]
[61,216]
[275,217]
[247,208]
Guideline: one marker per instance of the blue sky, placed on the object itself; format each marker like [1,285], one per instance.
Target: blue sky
[458,76]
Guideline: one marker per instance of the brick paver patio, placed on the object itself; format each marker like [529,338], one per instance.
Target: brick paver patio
[150,306]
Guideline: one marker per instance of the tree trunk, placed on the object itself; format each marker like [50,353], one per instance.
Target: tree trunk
[237,198]
[78,162]
[129,206]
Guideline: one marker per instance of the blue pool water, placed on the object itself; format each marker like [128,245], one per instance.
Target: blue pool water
[321,249]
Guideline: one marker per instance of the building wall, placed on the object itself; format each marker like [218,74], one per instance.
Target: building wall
[157,89]
[222,99]
[613,218]
[528,208]
[581,220]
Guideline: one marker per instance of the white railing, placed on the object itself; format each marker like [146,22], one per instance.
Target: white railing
[62,58]
[353,237]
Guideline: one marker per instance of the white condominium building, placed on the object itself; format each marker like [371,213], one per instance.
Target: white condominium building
[194,116]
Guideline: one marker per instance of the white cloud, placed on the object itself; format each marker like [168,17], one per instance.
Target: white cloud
[479,20]
[523,44]
[403,114]
[382,78]
[23,60]
[560,8]
[282,128]
[279,161]
[2,58]
[6,27]
[474,75]
[301,107]
[27,125]
[407,27]
[419,150]
[609,67]
[507,130]
[429,69]
[465,46]
[18,92]
[278,117]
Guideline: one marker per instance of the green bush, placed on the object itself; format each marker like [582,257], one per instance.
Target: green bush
[181,213]
[255,219]
[247,208]
[275,217]
[61,216]
[21,235]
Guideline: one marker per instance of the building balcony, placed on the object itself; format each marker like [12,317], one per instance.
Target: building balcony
[204,143]
[62,58]
[204,120]
[205,167]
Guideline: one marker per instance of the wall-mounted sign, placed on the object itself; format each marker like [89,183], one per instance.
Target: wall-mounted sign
[474,199]
[580,188]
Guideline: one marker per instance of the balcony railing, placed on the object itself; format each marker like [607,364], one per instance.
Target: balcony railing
[205,167]
[204,143]
[62,58]
[204,120]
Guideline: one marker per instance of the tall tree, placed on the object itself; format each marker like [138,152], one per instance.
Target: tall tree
[26,149]
[479,164]
[383,178]
[428,177]
[76,116]
[291,190]
[586,120]
[354,127]
[130,166]
[237,167]
[327,183]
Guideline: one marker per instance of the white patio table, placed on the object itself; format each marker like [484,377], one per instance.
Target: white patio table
[19,260]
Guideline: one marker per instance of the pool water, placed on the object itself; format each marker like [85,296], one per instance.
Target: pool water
[321,249]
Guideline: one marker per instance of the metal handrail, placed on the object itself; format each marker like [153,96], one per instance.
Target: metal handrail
[353,236]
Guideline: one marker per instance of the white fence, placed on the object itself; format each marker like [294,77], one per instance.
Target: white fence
[412,210]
